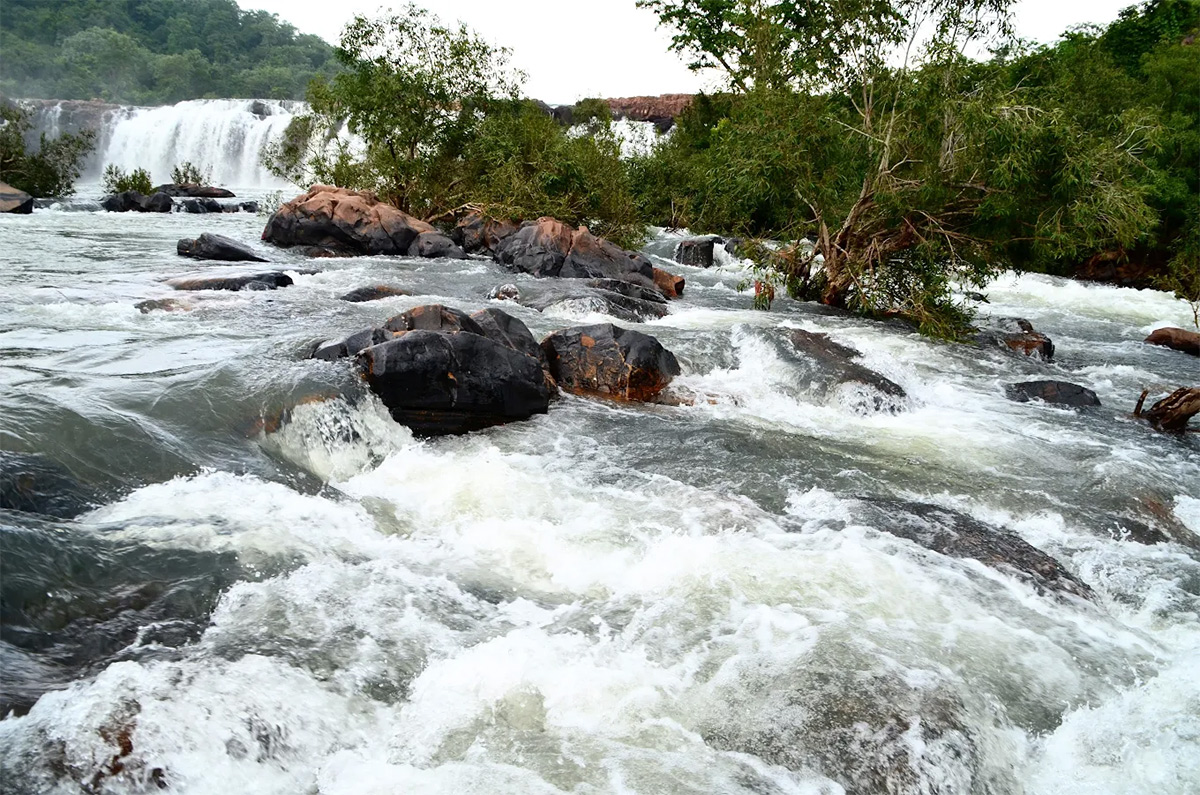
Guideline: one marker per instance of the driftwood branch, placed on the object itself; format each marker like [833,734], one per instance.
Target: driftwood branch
[1171,414]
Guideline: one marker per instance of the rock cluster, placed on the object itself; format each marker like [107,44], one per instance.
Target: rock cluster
[132,201]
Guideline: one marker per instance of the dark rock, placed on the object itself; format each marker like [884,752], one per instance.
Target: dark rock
[476,233]
[581,297]
[432,245]
[162,305]
[1176,339]
[243,207]
[217,247]
[980,297]
[834,363]
[255,281]
[1015,334]
[606,360]
[501,327]
[505,292]
[201,206]
[374,293]
[34,484]
[192,190]
[1059,392]
[14,201]
[960,536]
[128,201]
[343,221]
[594,257]
[734,246]
[449,383]
[563,114]
[434,317]
[156,203]
[696,251]
[340,349]
[628,289]
[538,249]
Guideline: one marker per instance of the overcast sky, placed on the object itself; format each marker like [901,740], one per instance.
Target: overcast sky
[572,49]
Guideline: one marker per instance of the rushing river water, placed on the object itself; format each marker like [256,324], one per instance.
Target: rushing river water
[605,599]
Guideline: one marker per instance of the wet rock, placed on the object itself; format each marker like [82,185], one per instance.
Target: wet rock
[1015,334]
[373,293]
[594,257]
[610,361]
[628,289]
[351,345]
[162,305]
[835,362]
[696,251]
[343,221]
[979,297]
[439,383]
[253,281]
[1059,392]
[670,284]
[735,246]
[195,191]
[957,535]
[579,296]
[241,207]
[32,483]
[217,247]
[434,245]
[1177,339]
[538,249]
[201,206]
[434,317]
[509,331]
[477,234]
[14,201]
[505,292]
[127,201]
[156,203]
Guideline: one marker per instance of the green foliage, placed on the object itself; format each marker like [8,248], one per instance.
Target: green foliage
[1182,275]
[188,173]
[51,171]
[117,181]
[153,51]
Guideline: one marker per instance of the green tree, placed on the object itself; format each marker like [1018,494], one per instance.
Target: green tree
[51,171]
[116,180]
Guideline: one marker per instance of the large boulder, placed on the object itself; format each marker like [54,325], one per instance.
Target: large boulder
[127,201]
[1015,334]
[834,367]
[538,248]
[476,233]
[433,245]
[445,373]
[594,257]
[351,345]
[1059,392]
[217,247]
[609,361]
[14,201]
[192,190]
[250,281]
[1177,339]
[156,203]
[696,251]
[343,221]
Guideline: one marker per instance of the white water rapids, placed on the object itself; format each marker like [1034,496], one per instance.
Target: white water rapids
[605,599]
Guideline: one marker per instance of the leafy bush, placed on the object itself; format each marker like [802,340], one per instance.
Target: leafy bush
[187,173]
[52,169]
[117,181]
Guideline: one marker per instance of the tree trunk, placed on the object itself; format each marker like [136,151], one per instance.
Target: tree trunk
[1171,414]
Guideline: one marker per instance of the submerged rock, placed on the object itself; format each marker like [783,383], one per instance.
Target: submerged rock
[253,281]
[835,362]
[1015,334]
[32,483]
[14,201]
[373,293]
[609,361]
[957,535]
[1059,392]
[343,221]
[162,305]
[1177,339]
[582,296]
[217,247]
[505,292]
[696,251]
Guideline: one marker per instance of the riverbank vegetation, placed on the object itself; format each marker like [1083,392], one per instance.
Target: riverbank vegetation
[49,170]
[153,52]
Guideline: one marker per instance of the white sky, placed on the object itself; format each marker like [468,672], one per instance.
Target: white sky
[572,49]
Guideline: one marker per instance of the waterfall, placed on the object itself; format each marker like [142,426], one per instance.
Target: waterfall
[225,136]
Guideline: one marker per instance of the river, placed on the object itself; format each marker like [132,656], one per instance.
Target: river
[274,594]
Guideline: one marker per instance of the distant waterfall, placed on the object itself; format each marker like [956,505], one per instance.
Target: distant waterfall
[225,136]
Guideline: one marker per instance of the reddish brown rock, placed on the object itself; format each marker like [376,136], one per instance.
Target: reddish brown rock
[670,284]
[1018,335]
[1177,339]
[343,220]
[538,248]
[609,361]
[14,201]
[477,233]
